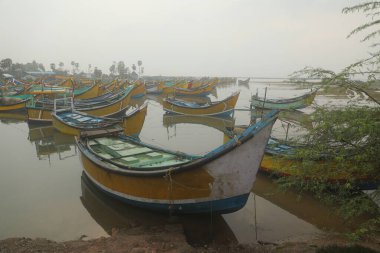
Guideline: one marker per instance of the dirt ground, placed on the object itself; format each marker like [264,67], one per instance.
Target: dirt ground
[168,239]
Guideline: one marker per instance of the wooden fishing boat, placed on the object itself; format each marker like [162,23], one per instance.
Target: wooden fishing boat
[218,108]
[278,161]
[110,87]
[152,177]
[203,90]
[86,92]
[81,91]
[244,82]
[139,90]
[72,122]
[153,88]
[12,89]
[284,104]
[14,103]
[113,106]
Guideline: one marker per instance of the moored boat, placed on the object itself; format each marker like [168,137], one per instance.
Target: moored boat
[72,122]
[244,82]
[155,178]
[14,103]
[113,106]
[218,108]
[203,90]
[284,104]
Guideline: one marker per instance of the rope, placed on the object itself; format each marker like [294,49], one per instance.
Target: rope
[167,176]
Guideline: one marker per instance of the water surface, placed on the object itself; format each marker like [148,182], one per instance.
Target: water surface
[44,194]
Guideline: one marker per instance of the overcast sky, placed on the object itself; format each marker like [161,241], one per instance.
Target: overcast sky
[183,37]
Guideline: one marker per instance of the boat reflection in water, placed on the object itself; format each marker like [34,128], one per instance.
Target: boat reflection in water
[270,214]
[221,124]
[11,118]
[110,213]
[49,140]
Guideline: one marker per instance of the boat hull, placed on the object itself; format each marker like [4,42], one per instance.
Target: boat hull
[221,185]
[44,115]
[14,107]
[221,108]
[284,104]
[91,92]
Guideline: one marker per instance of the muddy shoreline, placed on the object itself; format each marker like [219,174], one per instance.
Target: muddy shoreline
[170,238]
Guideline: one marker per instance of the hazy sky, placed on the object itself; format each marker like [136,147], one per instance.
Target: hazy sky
[183,37]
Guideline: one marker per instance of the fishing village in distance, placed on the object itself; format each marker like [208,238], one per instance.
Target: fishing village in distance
[118,158]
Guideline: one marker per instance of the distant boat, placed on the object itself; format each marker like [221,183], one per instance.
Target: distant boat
[218,108]
[40,112]
[155,178]
[72,122]
[286,103]
[244,82]
[14,103]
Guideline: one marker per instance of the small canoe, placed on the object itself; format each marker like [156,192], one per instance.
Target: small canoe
[218,108]
[140,89]
[14,103]
[284,104]
[155,178]
[244,82]
[72,122]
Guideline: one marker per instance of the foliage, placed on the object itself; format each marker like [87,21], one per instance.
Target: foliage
[121,69]
[345,142]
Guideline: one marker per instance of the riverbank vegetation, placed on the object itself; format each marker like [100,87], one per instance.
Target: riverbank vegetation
[344,144]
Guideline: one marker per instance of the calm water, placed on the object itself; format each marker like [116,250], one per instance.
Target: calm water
[43,192]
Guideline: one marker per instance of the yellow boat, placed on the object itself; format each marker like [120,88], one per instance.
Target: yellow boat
[14,103]
[140,89]
[152,177]
[71,122]
[115,106]
[222,107]
[81,92]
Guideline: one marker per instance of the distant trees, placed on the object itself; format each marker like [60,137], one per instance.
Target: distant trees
[17,69]
[52,66]
[97,73]
[121,69]
[113,68]
[6,64]
[139,63]
[117,68]
[61,64]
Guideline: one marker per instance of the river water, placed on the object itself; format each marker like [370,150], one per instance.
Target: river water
[44,194]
